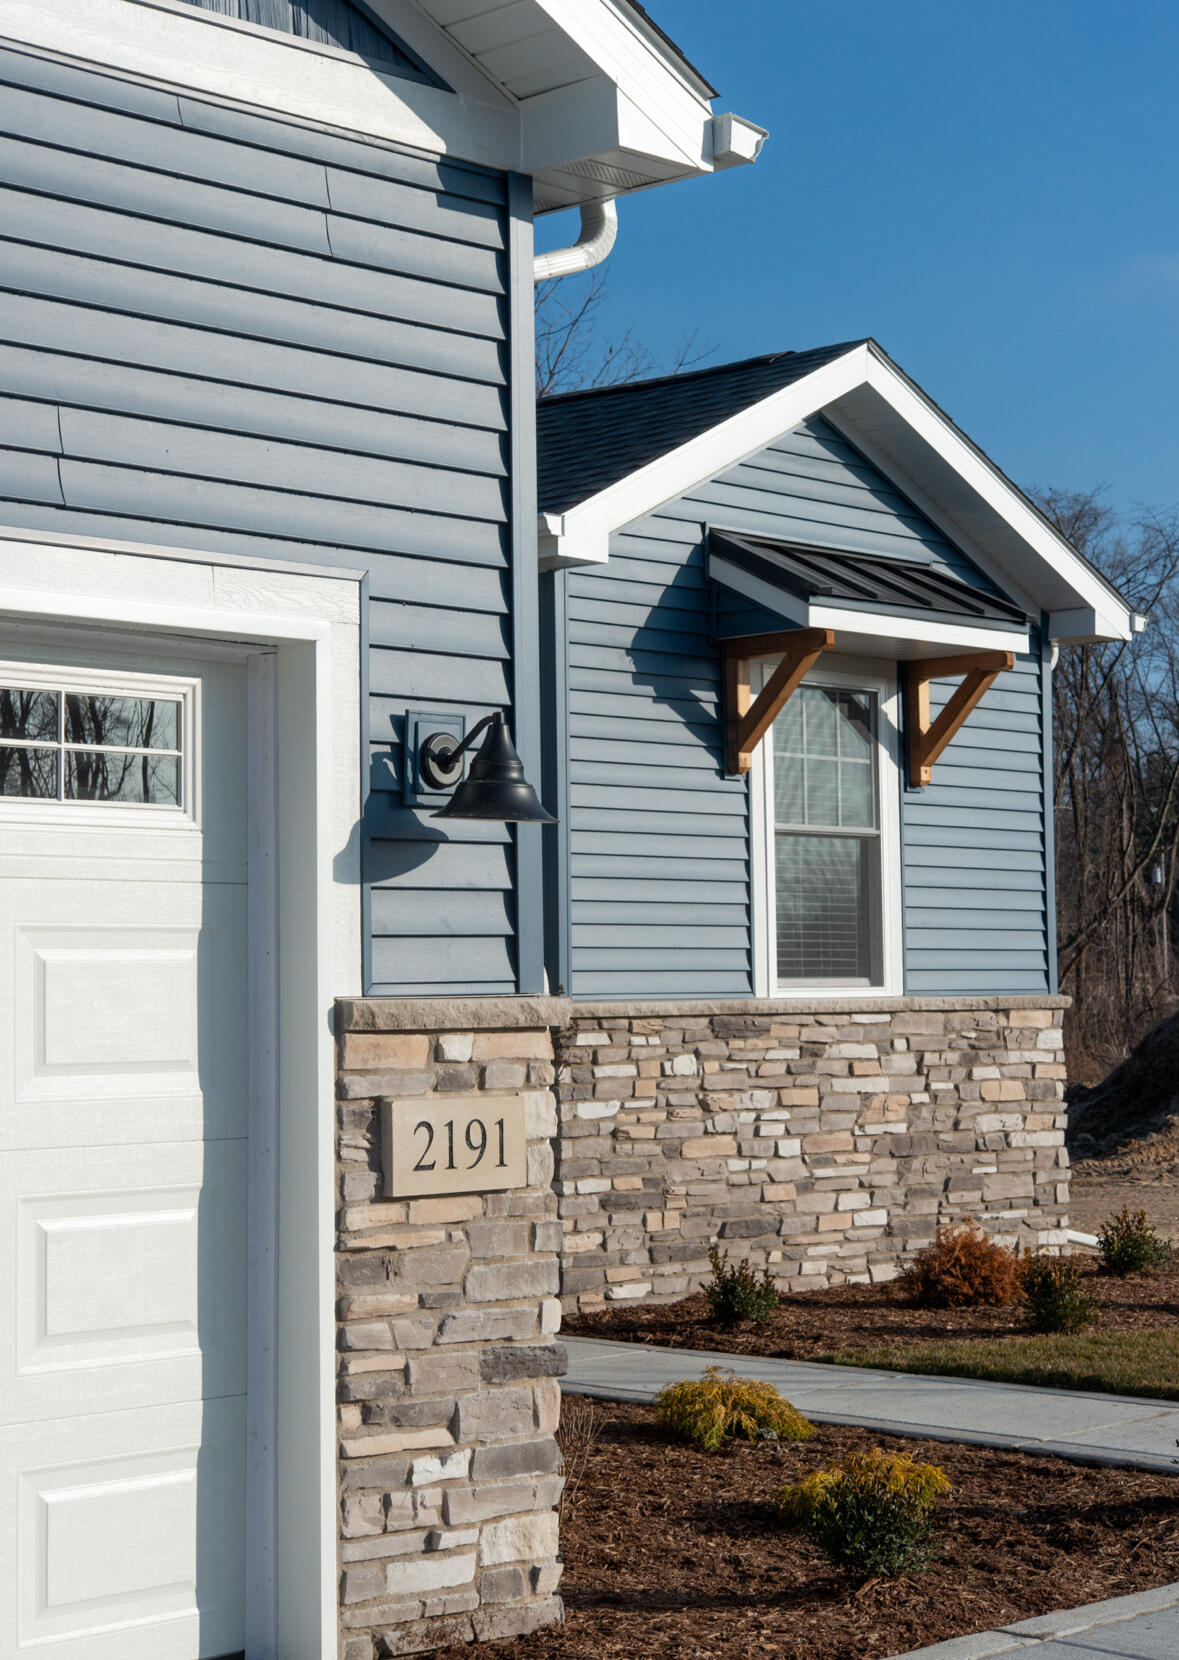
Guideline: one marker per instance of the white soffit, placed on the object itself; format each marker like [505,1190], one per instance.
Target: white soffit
[916,445]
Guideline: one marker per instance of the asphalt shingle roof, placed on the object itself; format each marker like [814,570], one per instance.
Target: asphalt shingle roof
[587,441]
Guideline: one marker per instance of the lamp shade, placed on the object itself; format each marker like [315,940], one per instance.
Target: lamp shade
[495,787]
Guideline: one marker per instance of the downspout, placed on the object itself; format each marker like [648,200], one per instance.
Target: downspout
[599,228]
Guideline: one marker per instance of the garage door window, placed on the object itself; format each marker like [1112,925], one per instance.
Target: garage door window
[84,744]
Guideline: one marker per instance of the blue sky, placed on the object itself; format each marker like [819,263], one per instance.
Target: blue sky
[990,188]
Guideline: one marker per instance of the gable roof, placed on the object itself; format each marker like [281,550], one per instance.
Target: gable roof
[589,440]
[659,439]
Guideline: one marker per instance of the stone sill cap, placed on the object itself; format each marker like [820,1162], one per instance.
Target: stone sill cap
[450,1014]
[844,1007]
[472,1014]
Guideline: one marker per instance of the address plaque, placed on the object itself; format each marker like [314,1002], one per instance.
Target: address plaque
[453,1144]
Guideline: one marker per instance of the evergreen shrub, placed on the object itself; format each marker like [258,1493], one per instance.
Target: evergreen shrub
[872,1513]
[739,1293]
[1129,1245]
[1054,1294]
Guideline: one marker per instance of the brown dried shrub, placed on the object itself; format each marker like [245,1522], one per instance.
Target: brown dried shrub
[962,1268]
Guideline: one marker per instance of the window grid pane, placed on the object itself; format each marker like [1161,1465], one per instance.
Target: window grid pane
[828,903]
[825,907]
[824,770]
[104,748]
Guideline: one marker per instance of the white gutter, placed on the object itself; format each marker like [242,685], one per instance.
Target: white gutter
[599,229]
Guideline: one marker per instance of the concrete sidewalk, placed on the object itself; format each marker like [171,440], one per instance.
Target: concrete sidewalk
[1097,1429]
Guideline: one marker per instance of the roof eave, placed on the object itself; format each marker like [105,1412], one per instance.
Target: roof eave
[608,104]
[900,429]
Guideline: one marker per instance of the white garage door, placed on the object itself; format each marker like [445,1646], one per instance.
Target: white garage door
[122,1158]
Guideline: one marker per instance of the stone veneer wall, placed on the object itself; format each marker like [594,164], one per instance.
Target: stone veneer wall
[826,1143]
[447,1365]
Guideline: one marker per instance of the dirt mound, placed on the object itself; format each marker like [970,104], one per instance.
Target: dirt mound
[1134,1113]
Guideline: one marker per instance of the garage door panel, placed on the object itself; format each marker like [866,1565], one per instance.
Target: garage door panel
[124,1031]
[113,1011]
[123,1181]
[125,1284]
[127,1533]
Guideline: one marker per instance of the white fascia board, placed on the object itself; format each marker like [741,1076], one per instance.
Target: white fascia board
[599,119]
[914,631]
[866,630]
[1005,579]
[633,57]
[569,124]
[1077,627]
[993,492]
[586,528]
[207,53]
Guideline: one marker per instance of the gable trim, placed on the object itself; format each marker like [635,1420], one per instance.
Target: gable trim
[983,497]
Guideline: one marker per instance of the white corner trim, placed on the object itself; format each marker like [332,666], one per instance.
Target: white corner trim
[582,533]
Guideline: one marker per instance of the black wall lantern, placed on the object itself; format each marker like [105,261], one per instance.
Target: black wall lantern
[495,787]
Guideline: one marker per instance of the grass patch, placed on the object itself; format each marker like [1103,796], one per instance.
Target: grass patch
[1118,1363]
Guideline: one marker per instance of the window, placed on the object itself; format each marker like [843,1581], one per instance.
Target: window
[65,744]
[827,773]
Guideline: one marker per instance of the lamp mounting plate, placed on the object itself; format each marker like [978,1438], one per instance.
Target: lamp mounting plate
[438,771]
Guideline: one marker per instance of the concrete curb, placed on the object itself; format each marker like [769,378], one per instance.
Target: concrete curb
[1070,1622]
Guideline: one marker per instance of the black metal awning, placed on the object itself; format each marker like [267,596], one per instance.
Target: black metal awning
[848,582]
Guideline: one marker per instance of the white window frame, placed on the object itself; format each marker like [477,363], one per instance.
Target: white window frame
[864,674]
[128,814]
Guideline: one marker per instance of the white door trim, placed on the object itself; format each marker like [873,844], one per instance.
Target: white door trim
[304,756]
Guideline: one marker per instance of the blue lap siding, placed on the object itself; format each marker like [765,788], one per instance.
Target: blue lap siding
[657,885]
[973,848]
[225,332]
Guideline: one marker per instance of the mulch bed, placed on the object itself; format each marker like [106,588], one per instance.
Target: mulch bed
[809,1324]
[674,1554]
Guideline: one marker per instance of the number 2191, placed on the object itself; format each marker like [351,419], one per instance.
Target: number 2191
[475,1138]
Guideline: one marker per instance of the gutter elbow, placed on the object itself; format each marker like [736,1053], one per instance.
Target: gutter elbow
[599,231]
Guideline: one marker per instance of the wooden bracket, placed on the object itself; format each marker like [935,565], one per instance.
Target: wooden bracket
[747,722]
[926,742]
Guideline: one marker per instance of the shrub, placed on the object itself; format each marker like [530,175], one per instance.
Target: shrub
[1129,1245]
[872,1513]
[962,1269]
[1054,1294]
[707,1410]
[739,1293]
[576,1435]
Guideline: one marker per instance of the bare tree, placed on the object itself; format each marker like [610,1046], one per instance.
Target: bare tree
[1116,777]
[571,353]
